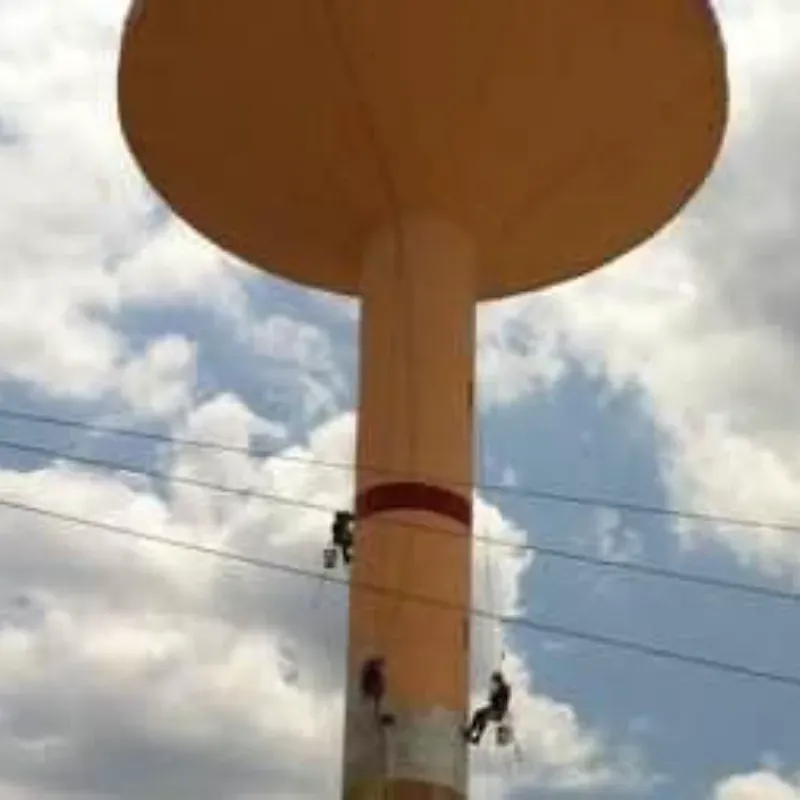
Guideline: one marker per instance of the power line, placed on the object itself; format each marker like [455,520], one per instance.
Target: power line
[552,629]
[541,550]
[564,498]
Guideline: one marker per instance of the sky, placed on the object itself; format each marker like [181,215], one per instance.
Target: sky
[129,669]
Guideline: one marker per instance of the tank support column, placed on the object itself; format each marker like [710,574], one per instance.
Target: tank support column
[414,473]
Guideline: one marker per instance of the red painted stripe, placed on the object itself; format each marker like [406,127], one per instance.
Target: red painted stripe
[414,496]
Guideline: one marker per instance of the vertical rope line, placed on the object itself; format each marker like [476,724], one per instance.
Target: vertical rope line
[497,653]
[390,192]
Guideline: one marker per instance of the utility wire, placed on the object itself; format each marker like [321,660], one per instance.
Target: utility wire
[553,496]
[552,629]
[541,550]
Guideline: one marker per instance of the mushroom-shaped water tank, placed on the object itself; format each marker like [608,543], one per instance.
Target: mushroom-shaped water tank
[557,134]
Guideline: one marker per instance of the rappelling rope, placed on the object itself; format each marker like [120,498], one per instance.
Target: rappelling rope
[314,609]
[385,177]
[493,619]
[497,653]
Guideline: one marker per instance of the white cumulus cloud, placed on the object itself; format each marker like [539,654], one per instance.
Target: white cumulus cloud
[129,669]
[761,785]
[702,320]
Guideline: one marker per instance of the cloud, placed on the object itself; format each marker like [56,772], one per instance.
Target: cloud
[761,785]
[128,669]
[68,193]
[83,236]
[159,383]
[174,266]
[702,320]
[515,357]
[299,356]
[150,671]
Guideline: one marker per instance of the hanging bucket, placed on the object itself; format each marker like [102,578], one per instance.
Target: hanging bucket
[504,734]
[329,557]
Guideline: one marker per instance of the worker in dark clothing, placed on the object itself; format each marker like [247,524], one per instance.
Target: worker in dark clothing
[495,711]
[373,687]
[342,533]
[373,682]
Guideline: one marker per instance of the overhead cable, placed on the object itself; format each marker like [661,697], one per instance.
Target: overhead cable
[548,495]
[550,628]
[540,550]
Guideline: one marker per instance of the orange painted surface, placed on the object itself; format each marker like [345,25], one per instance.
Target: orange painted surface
[560,134]
[415,424]
[417,356]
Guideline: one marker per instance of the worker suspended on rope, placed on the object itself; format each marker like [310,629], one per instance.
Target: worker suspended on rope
[373,688]
[341,539]
[342,533]
[494,711]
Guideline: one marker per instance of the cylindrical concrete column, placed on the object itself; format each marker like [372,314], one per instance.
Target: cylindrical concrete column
[414,461]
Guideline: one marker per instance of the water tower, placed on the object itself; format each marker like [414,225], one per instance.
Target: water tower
[422,155]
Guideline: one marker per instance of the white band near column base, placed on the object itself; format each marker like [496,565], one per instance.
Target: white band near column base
[422,746]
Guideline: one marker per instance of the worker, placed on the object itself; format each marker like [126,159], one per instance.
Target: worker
[342,533]
[373,687]
[495,711]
